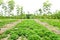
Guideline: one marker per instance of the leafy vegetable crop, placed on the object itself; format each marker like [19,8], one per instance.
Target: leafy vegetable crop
[6,21]
[54,22]
[32,31]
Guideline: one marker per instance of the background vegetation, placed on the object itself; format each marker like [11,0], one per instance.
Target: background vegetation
[44,13]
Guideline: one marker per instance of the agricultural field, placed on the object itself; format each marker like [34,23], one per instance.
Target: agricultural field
[6,21]
[53,22]
[29,30]
[29,20]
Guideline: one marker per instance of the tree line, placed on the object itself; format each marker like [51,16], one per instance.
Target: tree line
[44,12]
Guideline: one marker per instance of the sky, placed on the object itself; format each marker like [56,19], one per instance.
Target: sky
[33,5]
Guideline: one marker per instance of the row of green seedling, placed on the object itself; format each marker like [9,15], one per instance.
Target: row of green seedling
[53,22]
[31,30]
[6,21]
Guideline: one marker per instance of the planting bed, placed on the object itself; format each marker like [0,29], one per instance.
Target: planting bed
[6,21]
[53,22]
[31,31]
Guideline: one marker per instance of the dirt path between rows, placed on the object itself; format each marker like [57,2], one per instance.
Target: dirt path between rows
[22,38]
[9,26]
[6,37]
[49,27]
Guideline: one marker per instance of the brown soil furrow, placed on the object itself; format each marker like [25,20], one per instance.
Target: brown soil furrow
[9,26]
[49,27]
[22,38]
[6,37]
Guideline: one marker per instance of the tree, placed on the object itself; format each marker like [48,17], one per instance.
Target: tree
[40,10]
[11,5]
[56,15]
[1,12]
[18,10]
[1,2]
[21,10]
[46,6]
[4,7]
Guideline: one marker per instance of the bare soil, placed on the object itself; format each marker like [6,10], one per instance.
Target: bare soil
[6,37]
[22,38]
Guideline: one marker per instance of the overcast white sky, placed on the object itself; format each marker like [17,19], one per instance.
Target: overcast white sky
[33,5]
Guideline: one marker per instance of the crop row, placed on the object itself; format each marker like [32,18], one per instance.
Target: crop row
[6,21]
[54,22]
[31,30]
